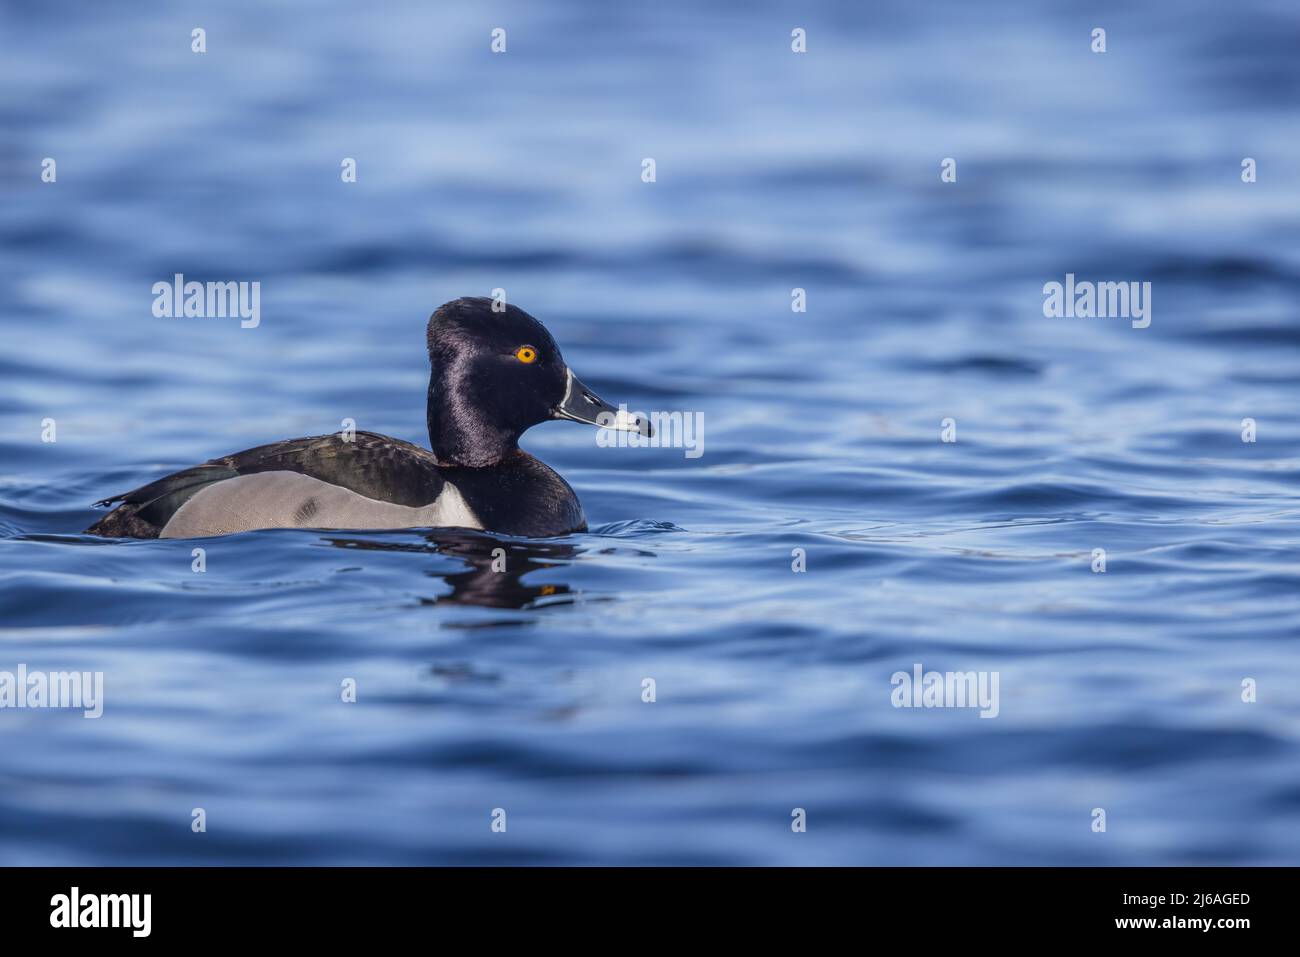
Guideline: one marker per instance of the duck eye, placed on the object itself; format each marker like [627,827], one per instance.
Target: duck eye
[526,354]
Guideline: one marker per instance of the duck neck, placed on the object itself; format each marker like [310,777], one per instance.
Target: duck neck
[459,434]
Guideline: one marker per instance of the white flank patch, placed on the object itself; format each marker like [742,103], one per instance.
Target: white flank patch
[294,500]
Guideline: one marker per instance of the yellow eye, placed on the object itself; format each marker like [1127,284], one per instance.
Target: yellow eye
[526,354]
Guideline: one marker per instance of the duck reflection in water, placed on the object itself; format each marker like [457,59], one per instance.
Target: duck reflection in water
[496,567]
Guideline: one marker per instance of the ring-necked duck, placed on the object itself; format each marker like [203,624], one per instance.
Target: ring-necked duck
[495,375]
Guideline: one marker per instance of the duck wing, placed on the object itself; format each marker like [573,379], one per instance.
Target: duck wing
[374,466]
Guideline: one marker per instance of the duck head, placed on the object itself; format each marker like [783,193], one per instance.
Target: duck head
[494,376]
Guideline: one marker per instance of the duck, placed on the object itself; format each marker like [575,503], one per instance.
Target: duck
[495,372]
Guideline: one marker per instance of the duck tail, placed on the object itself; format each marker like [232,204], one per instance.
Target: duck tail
[123,522]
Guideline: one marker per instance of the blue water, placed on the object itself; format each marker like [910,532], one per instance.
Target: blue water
[522,691]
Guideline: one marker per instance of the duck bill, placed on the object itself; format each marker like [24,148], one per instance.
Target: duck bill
[582,405]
